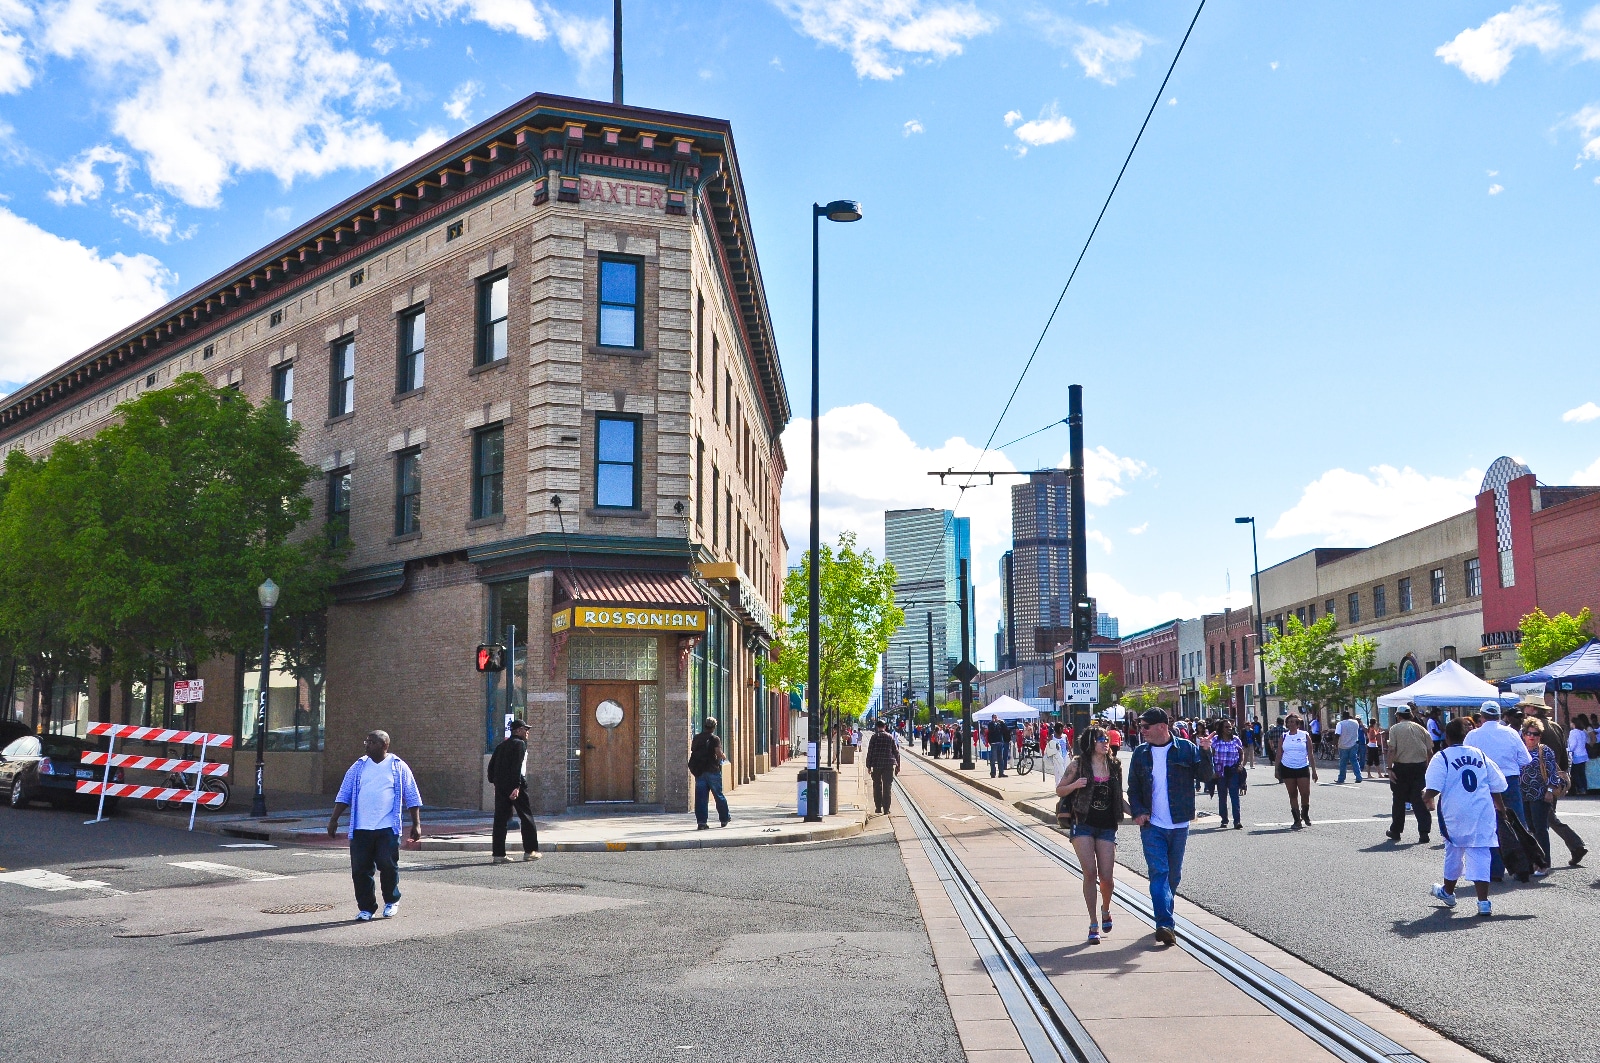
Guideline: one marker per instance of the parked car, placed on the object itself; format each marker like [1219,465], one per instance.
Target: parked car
[11,730]
[48,767]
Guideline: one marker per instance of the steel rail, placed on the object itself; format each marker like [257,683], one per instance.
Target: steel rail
[1050,1032]
[1332,1028]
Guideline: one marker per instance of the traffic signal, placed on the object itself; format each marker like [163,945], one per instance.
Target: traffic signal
[1082,624]
[492,658]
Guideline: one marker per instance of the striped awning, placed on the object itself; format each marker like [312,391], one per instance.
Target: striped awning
[614,587]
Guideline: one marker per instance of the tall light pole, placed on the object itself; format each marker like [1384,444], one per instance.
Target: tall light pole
[267,594]
[1261,672]
[838,210]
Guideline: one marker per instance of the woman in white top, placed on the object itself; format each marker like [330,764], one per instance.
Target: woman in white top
[1578,750]
[1296,768]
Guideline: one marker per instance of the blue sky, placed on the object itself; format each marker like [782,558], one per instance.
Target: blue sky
[1351,264]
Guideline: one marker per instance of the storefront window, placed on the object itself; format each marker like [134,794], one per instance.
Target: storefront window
[296,706]
[762,714]
[508,625]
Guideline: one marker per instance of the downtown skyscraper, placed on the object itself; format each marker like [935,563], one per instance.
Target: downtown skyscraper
[926,547]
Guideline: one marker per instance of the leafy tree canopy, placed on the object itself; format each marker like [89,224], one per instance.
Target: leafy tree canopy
[1549,638]
[1305,661]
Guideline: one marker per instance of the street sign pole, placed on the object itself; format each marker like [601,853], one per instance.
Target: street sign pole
[1078,582]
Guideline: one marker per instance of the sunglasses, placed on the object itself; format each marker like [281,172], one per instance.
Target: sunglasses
[1102,738]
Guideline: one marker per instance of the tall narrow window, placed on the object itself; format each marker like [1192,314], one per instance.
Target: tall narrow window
[488,472]
[715,354]
[408,492]
[1405,594]
[1328,607]
[413,341]
[727,538]
[1436,591]
[1380,601]
[342,378]
[716,477]
[1353,608]
[339,505]
[1474,577]
[283,388]
[727,399]
[494,303]
[616,469]
[620,291]
[699,481]
[700,336]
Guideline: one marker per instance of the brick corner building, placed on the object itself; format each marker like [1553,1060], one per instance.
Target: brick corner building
[537,370]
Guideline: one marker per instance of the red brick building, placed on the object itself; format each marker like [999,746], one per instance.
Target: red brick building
[1150,658]
[1230,657]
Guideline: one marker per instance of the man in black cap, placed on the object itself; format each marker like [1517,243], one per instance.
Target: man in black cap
[1162,778]
[705,764]
[511,793]
[883,761]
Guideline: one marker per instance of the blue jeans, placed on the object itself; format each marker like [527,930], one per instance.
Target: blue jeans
[1351,757]
[1513,799]
[999,756]
[709,782]
[1163,858]
[1228,784]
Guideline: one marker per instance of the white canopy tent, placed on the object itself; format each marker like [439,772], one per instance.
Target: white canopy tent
[1005,708]
[1447,686]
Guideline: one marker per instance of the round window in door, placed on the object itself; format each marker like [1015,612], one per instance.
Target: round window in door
[608,714]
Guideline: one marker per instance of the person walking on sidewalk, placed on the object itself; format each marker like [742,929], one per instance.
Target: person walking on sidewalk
[1468,787]
[1504,746]
[1092,783]
[1227,758]
[705,764]
[1410,749]
[1161,778]
[506,767]
[1375,758]
[1296,768]
[883,761]
[1578,754]
[1539,781]
[1352,745]
[999,738]
[376,790]
[1555,739]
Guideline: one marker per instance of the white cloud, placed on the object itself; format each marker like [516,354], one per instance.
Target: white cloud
[913,126]
[585,39]
[881,34]
[1582,414]
[1103,473]
[1484,54]
[1587,122]
[1496,189]
[1095,535]
[15,74]
[1139,529]
[1137,611]
[457,106]
[77,182]
[1011,118]
[150,217]
[1273,64]
[1343,508]
[1588,477]
[1048,128]
[1107,56]
[58,297]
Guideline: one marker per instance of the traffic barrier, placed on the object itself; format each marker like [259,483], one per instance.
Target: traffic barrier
[111,758]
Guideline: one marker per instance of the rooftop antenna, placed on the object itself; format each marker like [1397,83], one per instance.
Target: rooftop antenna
[616,52]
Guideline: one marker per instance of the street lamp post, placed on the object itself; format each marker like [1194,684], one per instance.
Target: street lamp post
[1261,670]
[267,594]
[838,210]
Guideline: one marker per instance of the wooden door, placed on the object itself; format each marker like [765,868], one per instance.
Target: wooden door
[610,740]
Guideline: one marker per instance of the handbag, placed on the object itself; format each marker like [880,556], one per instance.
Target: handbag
[1553,792]
[1066,818]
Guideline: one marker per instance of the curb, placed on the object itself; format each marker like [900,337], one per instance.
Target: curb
[233,828]
[1047,818]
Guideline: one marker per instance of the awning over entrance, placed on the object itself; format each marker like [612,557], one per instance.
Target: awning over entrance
[741,595]
[607,600]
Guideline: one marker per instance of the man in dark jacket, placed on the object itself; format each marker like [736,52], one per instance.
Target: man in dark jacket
[1161,786]
[511,793]
[999,737]
[705,764]
[883,761]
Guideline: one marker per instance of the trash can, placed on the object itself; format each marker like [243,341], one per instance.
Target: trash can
[847,754]
[828,782]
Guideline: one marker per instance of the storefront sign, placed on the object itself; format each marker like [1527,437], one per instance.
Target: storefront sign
[623,192]
[680,621]
[188,691]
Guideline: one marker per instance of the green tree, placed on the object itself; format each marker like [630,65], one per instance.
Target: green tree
[858,616]
[1549,638]
[1145,697]
[1218,695]
[1360,680]
[1110,689]
[1305,662]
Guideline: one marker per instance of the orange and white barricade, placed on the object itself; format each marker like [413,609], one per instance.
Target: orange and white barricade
[112,759]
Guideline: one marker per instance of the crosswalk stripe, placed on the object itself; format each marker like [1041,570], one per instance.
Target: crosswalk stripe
[228,870]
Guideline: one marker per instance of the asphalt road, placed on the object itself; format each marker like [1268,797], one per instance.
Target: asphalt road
[763,953]
[1517,987]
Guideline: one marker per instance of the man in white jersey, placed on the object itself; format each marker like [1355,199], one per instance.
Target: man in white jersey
[1465,785]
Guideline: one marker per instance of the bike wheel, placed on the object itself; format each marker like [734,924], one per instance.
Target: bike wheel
[1025,764]
[217,786]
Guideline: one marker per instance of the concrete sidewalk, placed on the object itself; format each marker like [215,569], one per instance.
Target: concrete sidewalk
[763,813]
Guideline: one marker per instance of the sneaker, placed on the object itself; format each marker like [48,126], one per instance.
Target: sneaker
[534,855]
[1485,908]
[730,819]
[364,917]
[1237,825]
[704,826]
[1540,872]
[502,860]
[1165,936]
[390,909]
[1443,896]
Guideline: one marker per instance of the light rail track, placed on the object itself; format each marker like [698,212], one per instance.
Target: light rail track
[1049,1030]
[1342,1034]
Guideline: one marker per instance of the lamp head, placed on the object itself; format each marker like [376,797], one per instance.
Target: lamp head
[1244,520]
[268,594]
[841,210]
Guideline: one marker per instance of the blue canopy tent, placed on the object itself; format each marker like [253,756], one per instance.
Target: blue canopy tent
[1578,670]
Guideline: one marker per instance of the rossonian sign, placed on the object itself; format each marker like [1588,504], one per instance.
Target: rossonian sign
[682,621]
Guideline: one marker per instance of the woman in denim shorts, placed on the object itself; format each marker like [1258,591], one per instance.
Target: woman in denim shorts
[1092,783]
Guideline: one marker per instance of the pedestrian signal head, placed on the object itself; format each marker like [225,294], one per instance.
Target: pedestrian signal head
[491,658]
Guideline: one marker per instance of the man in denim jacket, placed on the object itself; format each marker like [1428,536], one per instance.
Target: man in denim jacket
[1161,787]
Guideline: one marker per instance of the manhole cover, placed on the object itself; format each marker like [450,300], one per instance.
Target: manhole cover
[554,887]
[160,933]
[297,909]
[98,868]
[82,923]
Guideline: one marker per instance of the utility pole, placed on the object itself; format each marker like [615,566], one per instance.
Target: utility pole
[1078,582]
[616,52]
[930,666]
[965,672]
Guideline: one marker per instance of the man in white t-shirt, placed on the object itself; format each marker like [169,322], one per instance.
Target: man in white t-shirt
[1466,787]
[1505,747]
[376,790]
[1351,746]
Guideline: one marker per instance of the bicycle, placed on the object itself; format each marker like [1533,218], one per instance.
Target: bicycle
[211,784]
[1026,758]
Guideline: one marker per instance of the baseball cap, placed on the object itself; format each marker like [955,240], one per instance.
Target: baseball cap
[1151,716]
[1490,708]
